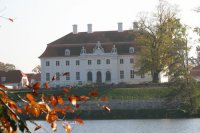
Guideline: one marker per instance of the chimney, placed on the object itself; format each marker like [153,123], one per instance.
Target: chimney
[75,30]
[89,28]
[120,27]
[135,26]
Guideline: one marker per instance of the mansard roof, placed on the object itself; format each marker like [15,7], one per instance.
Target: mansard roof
[74,42]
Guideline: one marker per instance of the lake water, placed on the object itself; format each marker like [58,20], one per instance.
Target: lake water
[129,126]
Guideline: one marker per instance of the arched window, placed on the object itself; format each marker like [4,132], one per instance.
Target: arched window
[67,52]
[89,76]
[131,50]
[108,76]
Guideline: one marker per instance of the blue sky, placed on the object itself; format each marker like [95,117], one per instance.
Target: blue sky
[39,22]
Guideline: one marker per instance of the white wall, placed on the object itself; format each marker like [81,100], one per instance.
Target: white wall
[114,67]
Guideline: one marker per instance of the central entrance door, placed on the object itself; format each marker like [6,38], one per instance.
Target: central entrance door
[99,77]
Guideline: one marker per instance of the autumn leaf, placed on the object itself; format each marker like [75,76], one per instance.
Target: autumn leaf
[72,99]
[46,85]
[67,127]
[36,86]
[19,110]
[51,116]
[66,89]
[54,126]
[60,100]
[83,98]
[69,108]
[79,120]
[30,97]
[3,86]
[104,99]
[93,93]
[53,101]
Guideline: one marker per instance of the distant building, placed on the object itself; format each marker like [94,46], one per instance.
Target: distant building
[33,78]
[93,57]
[14,79]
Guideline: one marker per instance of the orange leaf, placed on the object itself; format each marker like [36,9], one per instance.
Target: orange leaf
[69,108]
[104,99]
[93,93]
[83,98]
[66,89]
[53,101]
[54,126]
[67,127]
[3,86]
[36,86]
[19,110]
[46,85]
[60,100]
[51,116]
[30,97]
[72,99]
[79,120]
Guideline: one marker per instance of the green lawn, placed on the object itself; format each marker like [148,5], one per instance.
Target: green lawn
[111,93]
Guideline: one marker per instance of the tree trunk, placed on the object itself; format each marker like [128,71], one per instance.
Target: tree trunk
[155,76]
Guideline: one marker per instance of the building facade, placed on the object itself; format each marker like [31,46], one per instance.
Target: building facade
[92,57]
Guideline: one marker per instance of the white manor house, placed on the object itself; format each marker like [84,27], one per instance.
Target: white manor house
[93,57]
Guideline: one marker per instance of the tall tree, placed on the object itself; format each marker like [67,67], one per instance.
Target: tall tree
[6,66]
[162,39]
[37,69]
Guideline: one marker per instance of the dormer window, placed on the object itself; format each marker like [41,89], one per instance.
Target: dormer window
[131,50]
[83,50]
[114,50]
[67,52]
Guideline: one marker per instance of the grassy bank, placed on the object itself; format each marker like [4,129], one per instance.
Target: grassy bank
[111,93]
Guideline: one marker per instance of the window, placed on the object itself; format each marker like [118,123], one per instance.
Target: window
[131,74]
[107,61]
[67,63]
[121,61]
[131,50]
[68,76]
[108,76]
[98,62]
[142,75]
[121,74]
[47,76]
[77,75]
[47,63]
[67,52]
[77,62]
[89,62]
[131,60]
[57,63]
[89,76]
[57,76]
